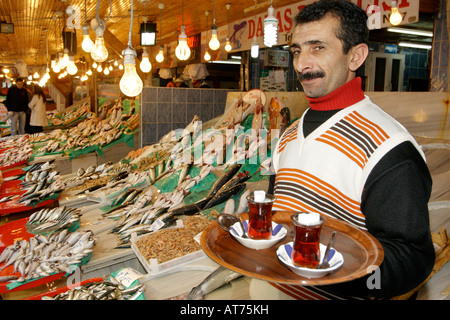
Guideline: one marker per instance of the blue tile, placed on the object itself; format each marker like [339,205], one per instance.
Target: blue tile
[164,94]
[164,112]
[207,111]
[179,112]
[193,109]
[207,95]
[149,133]
[163,129]
[149,112]
[179,95]
[149,95]
[193,95]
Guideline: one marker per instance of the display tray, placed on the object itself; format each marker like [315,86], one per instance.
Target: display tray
[55,292]
[13,206]
[13,165]
[9,233]
[13,172]
[360,249]
[12,187]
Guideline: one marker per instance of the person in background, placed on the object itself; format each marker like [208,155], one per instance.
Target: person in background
[347,159]
[179,83]
[200,83]
[38,118]
[17,105]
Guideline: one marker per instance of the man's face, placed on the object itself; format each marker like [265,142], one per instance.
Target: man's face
[318,57]
[19,84]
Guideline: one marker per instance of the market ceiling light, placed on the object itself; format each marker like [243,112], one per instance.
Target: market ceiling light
[415,45]
[130,84]
[87,43]
[36,75]
[99,68]
[160,55]
[71,66]
[182,51]
[415,32]
[254,49]
[145,64]
[270,28]
[227,42]
[214,43]
[99,52]
[395,17]
[207,56]
[148,33]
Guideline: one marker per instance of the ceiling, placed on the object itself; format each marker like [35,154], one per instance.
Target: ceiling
[35,21]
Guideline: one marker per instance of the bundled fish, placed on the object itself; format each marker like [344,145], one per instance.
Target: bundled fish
[47,220]
[103,290]
[41,255]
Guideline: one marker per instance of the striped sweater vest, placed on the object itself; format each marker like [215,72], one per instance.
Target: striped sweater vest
[326,171]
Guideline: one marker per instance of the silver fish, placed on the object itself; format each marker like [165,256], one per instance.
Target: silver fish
[215,280]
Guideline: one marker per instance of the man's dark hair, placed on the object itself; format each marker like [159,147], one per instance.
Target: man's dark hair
[353,20]
[19,80]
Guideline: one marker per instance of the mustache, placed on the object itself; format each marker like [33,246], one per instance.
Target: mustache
[311,75]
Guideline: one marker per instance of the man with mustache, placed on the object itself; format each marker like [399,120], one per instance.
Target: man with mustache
[347,159]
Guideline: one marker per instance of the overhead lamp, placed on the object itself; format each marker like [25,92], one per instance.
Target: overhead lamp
[99,68]
[116,63]
[254,50]
[94,65]
[214,43]
[65,59]
[227,41]
[415,45]
[110,67]
[270,28]
[415,32]
[148,33]
[36,75]
[145,64]
[5,70]
[106,71]
[87,43]
[395,17]
[160,55]
[99,52]
[89,72]
[71,66]
[182,51]
[130,84]
[207,56]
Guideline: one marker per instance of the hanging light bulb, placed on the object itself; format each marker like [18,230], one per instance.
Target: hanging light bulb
[270,28]
[207,56]
[214,43]
[160,55]
[145,64]
[395,17]
[130,84]
[182,51]
[99,52]
[36,75]
[228,45]
[65,59]
[106,71]
[116,63]
[254,51]
[120,66]
[89,72]
[99,68]
[87,43]
[110,67]
[30,77]
[94,65]
[71,66]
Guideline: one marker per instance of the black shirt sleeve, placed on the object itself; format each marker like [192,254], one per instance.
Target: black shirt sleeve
[395,204]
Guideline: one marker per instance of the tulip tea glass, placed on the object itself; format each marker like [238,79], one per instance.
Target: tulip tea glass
[260,217]
[306,249]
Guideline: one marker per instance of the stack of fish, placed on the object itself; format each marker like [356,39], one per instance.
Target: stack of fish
[103,290]
[41,255]
[16,153]
[48,220]
[40,185]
